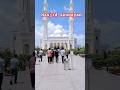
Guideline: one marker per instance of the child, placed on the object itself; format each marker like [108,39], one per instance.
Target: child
[66,63]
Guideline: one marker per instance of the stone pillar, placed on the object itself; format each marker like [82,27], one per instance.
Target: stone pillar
[53,45]
[65,45]
[57,44]
[48,45]
[73,44]
[60,45]
[68,45]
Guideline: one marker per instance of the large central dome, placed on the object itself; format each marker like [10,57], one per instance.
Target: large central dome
[58,33]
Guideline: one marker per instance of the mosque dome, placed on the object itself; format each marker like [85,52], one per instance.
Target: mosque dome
[58,33]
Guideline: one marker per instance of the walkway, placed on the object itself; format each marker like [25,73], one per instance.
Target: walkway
[54,77]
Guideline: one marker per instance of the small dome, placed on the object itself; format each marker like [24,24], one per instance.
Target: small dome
[58,31]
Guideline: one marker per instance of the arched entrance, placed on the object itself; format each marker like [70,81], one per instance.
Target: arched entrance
[70,46]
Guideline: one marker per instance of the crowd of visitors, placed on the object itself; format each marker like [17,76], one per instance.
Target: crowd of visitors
[54,54]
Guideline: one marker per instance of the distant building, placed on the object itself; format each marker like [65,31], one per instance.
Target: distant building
[58,38]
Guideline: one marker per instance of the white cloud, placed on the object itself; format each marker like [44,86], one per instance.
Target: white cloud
[51,27]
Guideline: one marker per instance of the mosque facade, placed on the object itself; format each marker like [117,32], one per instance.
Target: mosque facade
[58,38]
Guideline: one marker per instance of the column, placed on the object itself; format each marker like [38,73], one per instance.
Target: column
[53,45]
[48,45]
[65,45]
[60,45]
[68,45]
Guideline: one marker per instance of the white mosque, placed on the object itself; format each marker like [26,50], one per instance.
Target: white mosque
[58,38]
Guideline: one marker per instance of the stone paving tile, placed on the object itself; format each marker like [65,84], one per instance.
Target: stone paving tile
[54,77]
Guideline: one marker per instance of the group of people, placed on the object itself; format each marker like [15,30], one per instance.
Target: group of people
[14,69]
[14,62]
[53,54]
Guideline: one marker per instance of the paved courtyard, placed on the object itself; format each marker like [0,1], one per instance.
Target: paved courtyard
[54,77]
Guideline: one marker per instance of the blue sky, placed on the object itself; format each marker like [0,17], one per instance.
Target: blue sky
[61,6]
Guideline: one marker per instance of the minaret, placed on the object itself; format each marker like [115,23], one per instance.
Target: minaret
[71,19]
[71,25]
[45,22]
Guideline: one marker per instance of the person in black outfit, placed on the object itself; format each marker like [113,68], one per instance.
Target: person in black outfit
[32,61]
[56,55]
[14,62]
[52,52]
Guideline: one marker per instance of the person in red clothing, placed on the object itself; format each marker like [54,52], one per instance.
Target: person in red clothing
[32,61]
[49,54]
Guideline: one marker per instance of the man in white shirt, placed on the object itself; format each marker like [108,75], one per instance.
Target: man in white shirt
[35,53]
[14,62]
[62,52]
[41,54]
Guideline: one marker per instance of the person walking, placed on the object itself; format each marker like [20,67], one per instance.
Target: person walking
[2,64]
[14,62]
[66,63]
[67,52]
[41,54]
[56,53]
[52,52]
[32,62]
[62,52]
[36,53]
[49,54]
